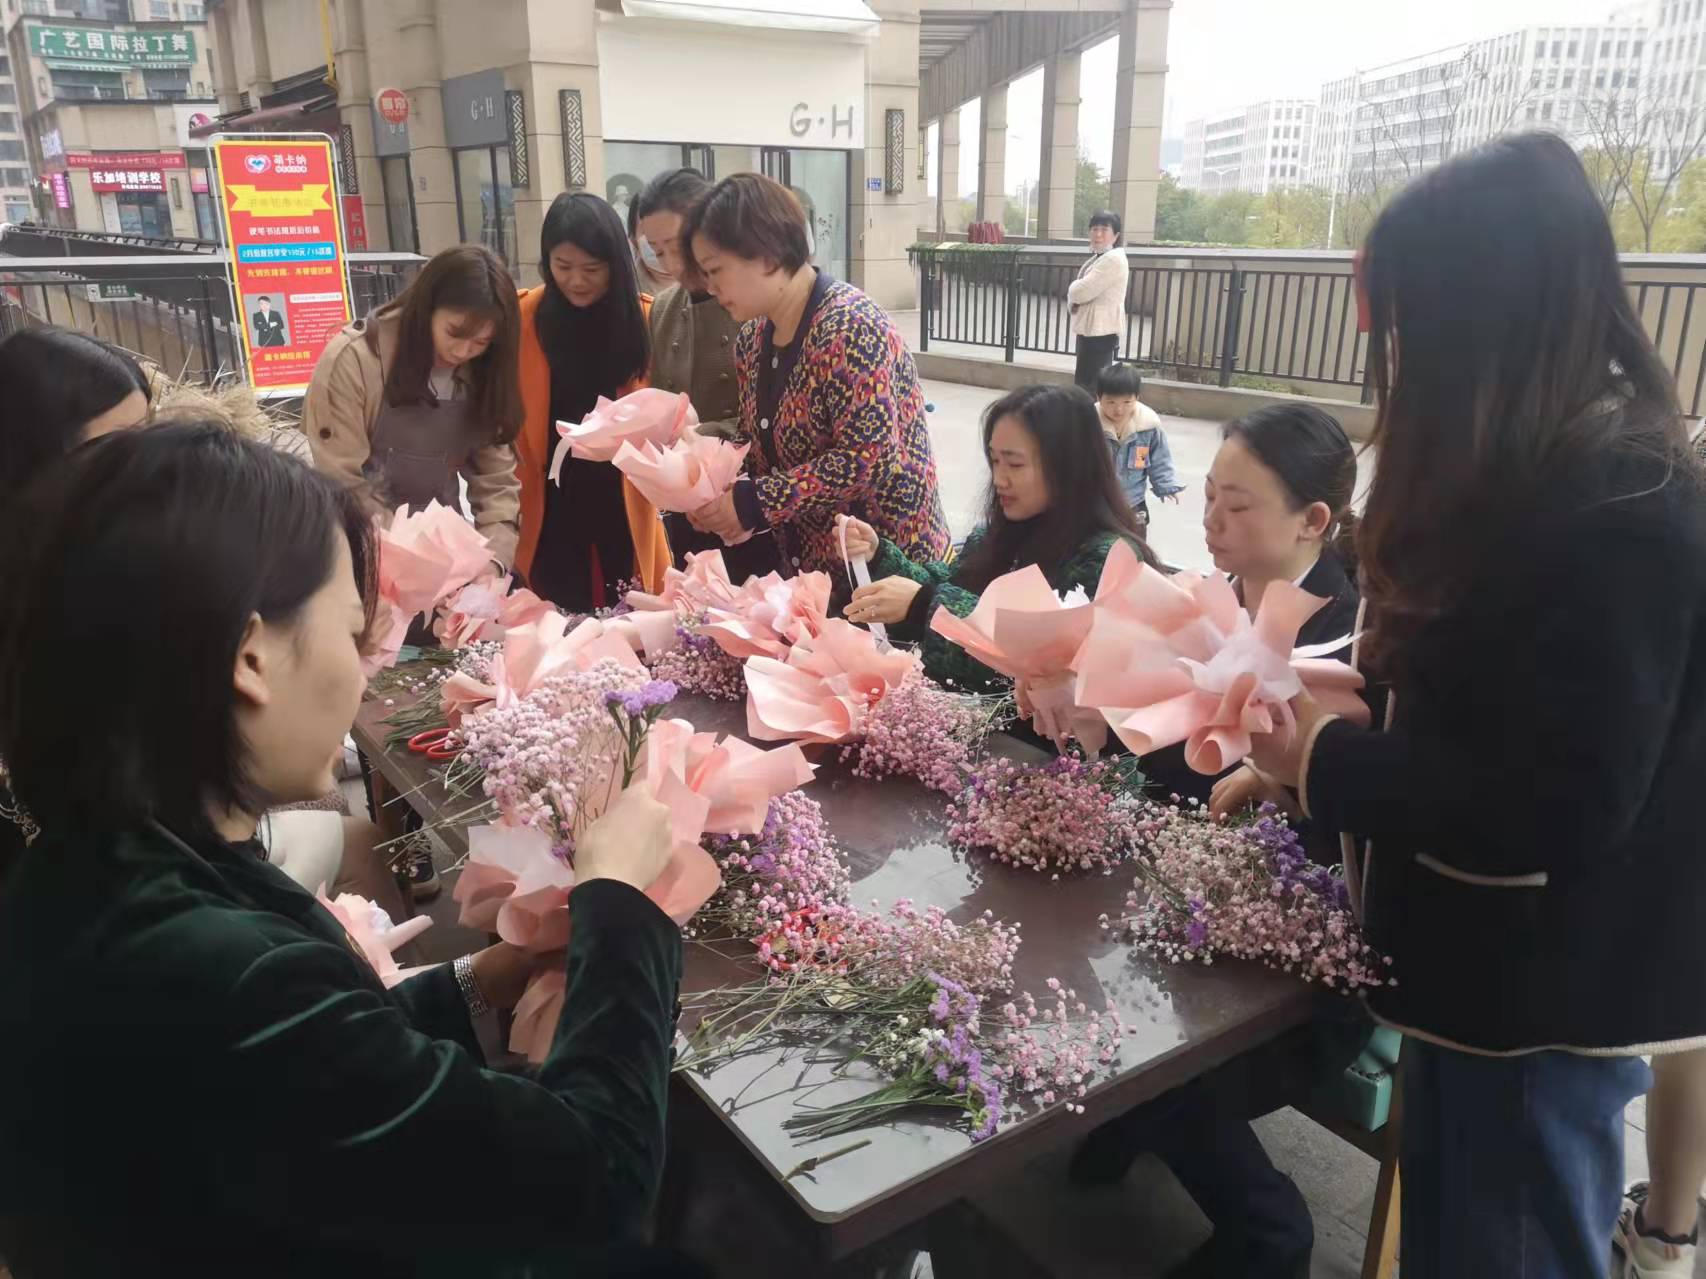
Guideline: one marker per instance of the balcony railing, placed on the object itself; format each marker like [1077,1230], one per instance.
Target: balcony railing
[174,309]
[1279,318]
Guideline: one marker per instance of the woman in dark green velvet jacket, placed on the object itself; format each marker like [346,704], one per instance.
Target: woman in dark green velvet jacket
[200,1073]
[1053,501]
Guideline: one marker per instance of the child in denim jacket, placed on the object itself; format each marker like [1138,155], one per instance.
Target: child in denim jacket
[1136,440]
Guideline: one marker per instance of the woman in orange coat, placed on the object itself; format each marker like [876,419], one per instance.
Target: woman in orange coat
[583,335]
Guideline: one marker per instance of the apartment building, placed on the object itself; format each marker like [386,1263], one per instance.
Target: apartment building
[1392,122]
[1258,148]
[15,176]
[1675,75]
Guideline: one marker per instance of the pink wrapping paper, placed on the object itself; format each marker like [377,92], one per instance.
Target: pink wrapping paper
[537,1013]
[645,416]
[687,592]
[372,931]
[427,555]
[824,689]
[486,610]
[766,616]
[1178,659]
[532,654]
[692,472]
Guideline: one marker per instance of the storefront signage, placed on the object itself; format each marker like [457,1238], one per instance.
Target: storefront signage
[389,139]
[81,45]
[61,190]
[393,105]
[126,160]
[279,209]
[127,180]
[187,119]
[110,292]
[474,110]
[355,224]
[837,121]
[52,145]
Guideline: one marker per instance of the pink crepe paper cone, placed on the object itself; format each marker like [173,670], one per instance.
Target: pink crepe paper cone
[537,1012]
[391,628]
[426,555]
[649,634]
[703,584]
[371,929]
[644,416]
[1021,628]
[825,688]
[532,654]
[766,616]
[512,884]
[692,472]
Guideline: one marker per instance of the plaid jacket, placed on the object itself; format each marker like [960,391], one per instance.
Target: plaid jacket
[849,436]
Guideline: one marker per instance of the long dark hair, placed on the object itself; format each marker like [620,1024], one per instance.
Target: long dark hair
[1311,456]
[165,540]
[1503,348]
[591,225]
[467,278]
[55,381]
[1084,495]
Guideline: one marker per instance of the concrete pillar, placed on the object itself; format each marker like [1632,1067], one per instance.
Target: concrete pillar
[355,96]
[225,85]
[421,78]
[948,174]
[1057,179]
[881,223]
[1139,104]
[992,156]
[256,21]
[562,40]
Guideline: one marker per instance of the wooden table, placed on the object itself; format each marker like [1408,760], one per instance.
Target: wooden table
[1186,1019]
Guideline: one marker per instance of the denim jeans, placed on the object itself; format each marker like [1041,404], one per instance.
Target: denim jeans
[1512,1166]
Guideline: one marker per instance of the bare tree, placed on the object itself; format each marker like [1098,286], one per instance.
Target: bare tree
[1643,142]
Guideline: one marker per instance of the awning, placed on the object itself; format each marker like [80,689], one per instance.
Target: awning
[66,64]
[837,17]
[264,117]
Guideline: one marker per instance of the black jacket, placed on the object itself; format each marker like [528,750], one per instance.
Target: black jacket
[202,1076]
[269,328]
[1536,868]
[1166,770]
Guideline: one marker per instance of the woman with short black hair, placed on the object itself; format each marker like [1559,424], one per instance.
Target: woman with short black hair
[1097,299]
[199,1064]
[829,395]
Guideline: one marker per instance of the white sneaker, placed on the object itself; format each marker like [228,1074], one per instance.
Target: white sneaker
[1644,1256]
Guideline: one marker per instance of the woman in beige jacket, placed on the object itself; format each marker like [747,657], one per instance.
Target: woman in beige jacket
[1097,298]
[424,394]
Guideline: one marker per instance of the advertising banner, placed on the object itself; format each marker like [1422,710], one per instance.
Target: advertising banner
[279,209]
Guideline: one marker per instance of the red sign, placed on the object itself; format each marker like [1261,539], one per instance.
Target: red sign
[198,181]
[125,160]
[393,105]
[278,204]
[61,190]
[127,180]
[355,224]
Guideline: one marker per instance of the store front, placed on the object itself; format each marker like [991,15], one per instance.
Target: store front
[397,179]
[476,129]
[132,190]
[797,117]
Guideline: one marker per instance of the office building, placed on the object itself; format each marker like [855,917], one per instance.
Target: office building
[1260,148]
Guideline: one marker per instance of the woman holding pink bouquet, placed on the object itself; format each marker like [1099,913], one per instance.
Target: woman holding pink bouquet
[829,397]
[1534,560]
[173,1002]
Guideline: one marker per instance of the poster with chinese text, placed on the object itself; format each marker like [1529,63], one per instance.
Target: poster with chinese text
[279,208]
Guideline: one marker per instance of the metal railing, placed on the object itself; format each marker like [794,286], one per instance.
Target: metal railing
[175,310]
[1274,319]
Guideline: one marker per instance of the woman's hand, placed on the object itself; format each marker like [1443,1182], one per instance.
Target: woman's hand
[1245,788]
[503,971]
[719,517]
[1281,758]
[862,539]
[885,601]
[630,842]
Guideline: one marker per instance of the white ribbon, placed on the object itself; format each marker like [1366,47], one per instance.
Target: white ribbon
[859,574]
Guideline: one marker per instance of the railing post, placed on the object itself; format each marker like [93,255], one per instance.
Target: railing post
[1234,324]
[1011,325]
[209,341]
[926,297]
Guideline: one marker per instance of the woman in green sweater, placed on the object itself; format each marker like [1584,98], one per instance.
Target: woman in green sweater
[1053,502]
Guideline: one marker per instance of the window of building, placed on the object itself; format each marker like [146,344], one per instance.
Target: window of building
[1531,111]
[166,86]
[1557,48]
[1623,48]
[5,65]
[1616,79]
[1545,110]
[11,149]
[8,95]
[1636,51]
[160,10]
[1575,48]
[8,121]
[485,201]
[1552,79]
[397,178]
[1540,48]
[1599,79]
[1605,48]
[15,177]
[88,85]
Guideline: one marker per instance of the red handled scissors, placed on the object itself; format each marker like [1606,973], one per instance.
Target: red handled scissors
[434,744]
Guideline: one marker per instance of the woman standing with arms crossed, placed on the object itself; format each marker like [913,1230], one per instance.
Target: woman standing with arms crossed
[583,335]
[1534,560]
[1097,299]
[829,395]
[422,394]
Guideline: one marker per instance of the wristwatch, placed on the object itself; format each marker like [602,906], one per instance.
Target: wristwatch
[462,968]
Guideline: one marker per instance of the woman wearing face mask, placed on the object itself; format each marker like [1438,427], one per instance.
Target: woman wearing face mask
[652,273]
[1277,508]
[64,389]
[1534,559]
[583,336]
[421,395]
[693,350]
[1053,502]
[1097,299]
[170,999]
[828,392]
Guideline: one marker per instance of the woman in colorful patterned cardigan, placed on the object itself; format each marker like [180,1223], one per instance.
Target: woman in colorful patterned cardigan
[829,396]
[1053,502]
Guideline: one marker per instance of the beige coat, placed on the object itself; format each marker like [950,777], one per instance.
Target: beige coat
[693,350]
[1098,294]
[343,404]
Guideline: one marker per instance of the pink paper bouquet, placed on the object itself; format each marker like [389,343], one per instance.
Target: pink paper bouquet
[825,688]
[644,416]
